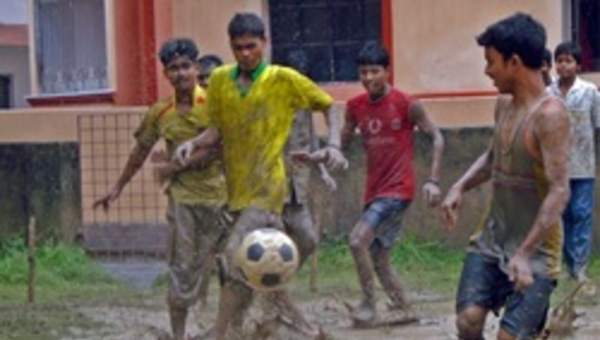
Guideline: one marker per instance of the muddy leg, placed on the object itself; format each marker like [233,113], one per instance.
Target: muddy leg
[388,277]
[234,300]
[178,316]
[360,240]
[470,322]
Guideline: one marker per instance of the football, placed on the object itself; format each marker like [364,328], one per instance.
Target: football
[267,258]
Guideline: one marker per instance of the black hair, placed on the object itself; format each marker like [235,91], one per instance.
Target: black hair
[568,47]
[298,60]
[209,60]
[548,57]
[518,34]
[246,23]
[372,53]
[177,47]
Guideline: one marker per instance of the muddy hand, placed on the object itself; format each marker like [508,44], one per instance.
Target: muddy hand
[450,208]
[335,159]
[183,152]
[519,272]
[107,199]
[432,194]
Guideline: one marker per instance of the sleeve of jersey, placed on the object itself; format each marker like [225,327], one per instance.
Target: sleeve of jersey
[309,95]
[147,132]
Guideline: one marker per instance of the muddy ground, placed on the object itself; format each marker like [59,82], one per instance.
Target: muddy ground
[142,314]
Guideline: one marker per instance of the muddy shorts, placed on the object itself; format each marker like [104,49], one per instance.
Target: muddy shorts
[482,283]
[384,215]
[196,234]
[299,226]
[244,222]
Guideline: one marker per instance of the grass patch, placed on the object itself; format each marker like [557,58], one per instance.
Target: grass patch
[61,272]
[65,277]
[423,265]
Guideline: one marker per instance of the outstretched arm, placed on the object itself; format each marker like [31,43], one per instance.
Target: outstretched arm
[332,153]
[136,159]
[165,167]
[479,172]
[419,117]
[552,132]
[208,139]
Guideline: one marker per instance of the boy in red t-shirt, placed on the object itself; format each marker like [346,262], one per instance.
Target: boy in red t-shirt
[386,118]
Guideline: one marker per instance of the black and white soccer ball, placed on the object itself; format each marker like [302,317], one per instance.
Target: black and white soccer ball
[267,258]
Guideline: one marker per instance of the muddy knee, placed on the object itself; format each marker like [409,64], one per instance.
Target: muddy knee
[470,323]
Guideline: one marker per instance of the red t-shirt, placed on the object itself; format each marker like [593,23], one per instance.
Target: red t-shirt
[387,134]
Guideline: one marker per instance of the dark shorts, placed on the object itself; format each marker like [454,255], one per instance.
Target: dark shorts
[384,215]
[482,283]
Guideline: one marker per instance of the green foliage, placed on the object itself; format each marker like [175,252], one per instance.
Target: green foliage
[56,265]
[420,263]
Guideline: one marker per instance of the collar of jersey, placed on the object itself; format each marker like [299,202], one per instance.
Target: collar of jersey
[235,72]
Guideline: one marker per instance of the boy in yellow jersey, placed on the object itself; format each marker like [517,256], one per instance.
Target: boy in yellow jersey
[196,191]
[514,258]
[251,106]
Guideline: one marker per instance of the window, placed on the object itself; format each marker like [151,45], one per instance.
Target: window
[70,46]
[585,29]
[5,92]
[330,32]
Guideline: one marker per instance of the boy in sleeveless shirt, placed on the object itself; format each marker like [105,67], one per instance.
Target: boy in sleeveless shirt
[513,259]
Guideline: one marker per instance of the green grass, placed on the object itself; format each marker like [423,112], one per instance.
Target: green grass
[426,266]
[60,271]
[65,277]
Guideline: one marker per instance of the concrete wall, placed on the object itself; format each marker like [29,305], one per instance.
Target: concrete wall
[206,22]
[40,180]
[434,45]
[15,63]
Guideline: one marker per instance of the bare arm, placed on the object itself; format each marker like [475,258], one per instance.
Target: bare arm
[136,159]
[552,132]
[333,123]
[348,132]
[419,117]
[333,155]
[478,173]
[208,139]
[481,170]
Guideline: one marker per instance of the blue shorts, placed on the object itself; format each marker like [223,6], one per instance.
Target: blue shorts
[482,283]
[384,215]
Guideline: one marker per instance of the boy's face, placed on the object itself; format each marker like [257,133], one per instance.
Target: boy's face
[566,66]
[182,73]
[248,51]
[374,78]
[204,73]
[499,70]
